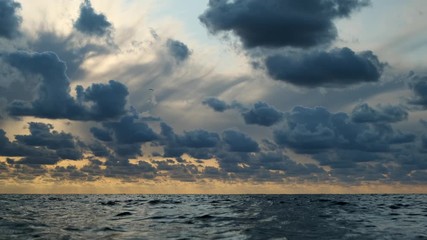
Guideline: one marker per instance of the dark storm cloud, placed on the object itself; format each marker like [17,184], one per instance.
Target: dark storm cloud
[213,172]
[262,114]
[108,100]
[99,150]
[363,113]
[184,173]
[178,50]
[129,131]
[364,172]
[345,158]
[125,137]
[10,20]
[239,142]
[337,68]
[123,169]
[42,135]
[278,23]
[279,161]
[180,172]
[42,146]
[167,131]
[216,104]
[90,22]
[130,150]
[101,134]
[119,168]
[270,166]
[197,143]
[16,149]
[70,173]
[165,165]
[53,99]
[354,166]
[39,160]
[424,142]
[97,102]
[27,172]
[199,139]
[419,87]
[69,153]
[232,162]
[93,170]
[313,130]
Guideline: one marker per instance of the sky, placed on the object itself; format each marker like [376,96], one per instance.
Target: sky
[213,96]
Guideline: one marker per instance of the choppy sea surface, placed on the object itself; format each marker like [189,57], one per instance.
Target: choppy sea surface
[213,217]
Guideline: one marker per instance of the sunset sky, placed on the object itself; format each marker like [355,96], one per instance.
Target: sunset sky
[213,96]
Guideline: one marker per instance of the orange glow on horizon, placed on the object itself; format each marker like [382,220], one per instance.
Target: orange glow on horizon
[115,186]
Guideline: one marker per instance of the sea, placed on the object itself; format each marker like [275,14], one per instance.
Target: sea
[213,217]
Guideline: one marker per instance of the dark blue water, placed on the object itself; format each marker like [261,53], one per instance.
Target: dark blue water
[213,217]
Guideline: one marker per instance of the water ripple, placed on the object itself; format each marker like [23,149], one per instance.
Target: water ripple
[213,217]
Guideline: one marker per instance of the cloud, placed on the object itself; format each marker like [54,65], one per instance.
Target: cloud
[97,102]
[72,49]
[98,149]
[128,150]
[16,149]
[71,173]
[197,143]
[314,130]
[353,166]
[279,161]
[363,113]
[53,100]
[364,145]
[92,23]
[178,50]
[70,153]
[262,114]
[27,171]
[344,158]
[10,20]
[201,144]
[239,142]
[278,23]
[216,104]
[266,115]
[270,166]
[336,68]
[180,172]
[122,168]
[109,100]
[219,105]
[125,136]
[128,131]
[39,160]
[101,134]
[42,146]
[199,139]
[232,162]
[418,85]
[41,135]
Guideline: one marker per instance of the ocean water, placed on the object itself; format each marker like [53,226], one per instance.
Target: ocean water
[213,217]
